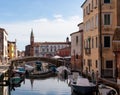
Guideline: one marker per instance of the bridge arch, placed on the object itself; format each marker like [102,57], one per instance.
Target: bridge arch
[31,58]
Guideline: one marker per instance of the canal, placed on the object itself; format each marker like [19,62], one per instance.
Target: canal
[49,86]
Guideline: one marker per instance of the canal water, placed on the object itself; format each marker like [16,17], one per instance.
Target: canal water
[49,86]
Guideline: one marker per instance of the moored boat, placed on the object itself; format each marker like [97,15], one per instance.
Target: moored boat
[19,70]
[82,85]
[29,68]
[106,90]
[42,74]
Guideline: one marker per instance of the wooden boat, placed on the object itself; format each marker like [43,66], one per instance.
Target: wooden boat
[29,68]
[42,74]
[106,90]
[82,86]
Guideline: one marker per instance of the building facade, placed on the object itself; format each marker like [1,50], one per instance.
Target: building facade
[12,50]
[44,49]
[100,21]
[116,51]
[3,46]
[76,48]
[64,52]
[48,49]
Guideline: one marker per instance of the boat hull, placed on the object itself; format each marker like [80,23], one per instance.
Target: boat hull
[83,89]
[42,75]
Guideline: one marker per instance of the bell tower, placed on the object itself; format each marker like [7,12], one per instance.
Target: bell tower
[32,43]
[31,37]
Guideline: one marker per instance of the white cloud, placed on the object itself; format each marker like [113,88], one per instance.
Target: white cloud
[41,20]
[44,30]
[58,16]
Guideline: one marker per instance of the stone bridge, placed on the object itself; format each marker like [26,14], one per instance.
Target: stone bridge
[23,60]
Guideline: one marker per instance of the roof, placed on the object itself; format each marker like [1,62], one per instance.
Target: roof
[48,43]
[76,32]
[2,29]
[80,23]
[83,3]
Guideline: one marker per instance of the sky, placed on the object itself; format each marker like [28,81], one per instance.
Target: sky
[51,20]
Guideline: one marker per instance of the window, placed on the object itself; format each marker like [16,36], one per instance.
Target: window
[76,39]
[76,56]
[84,13]
[89,43]
[92,22]
[96,20]
[109,64]
[92,4]
[107,19]
[89,8]
[106,41]
[84,62]
[106,1]
[92,42]
[96,2]
[96,42]
[96,64]
[89,64]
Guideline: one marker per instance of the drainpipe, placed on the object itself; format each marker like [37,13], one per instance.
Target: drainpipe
[116,67]
[100,35]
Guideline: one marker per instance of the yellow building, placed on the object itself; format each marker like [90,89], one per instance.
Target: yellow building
[11,50]
[100,21]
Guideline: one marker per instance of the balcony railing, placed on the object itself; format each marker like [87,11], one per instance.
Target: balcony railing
[87,50]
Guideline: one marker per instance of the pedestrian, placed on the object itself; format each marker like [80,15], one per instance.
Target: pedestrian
[92,76]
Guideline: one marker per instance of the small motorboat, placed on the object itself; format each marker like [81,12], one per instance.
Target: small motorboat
[29,68]
[106,90]
[20,70]
[82,85]
[61,69]
[15,80]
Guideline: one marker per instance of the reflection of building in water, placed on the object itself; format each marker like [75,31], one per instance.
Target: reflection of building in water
[3,77]
[31,81]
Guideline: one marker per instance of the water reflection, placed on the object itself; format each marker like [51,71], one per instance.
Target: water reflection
[48,86]
[51,86]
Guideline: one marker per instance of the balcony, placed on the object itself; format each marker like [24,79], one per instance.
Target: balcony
[87,51]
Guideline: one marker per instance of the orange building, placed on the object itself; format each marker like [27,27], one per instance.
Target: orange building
[100,18]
